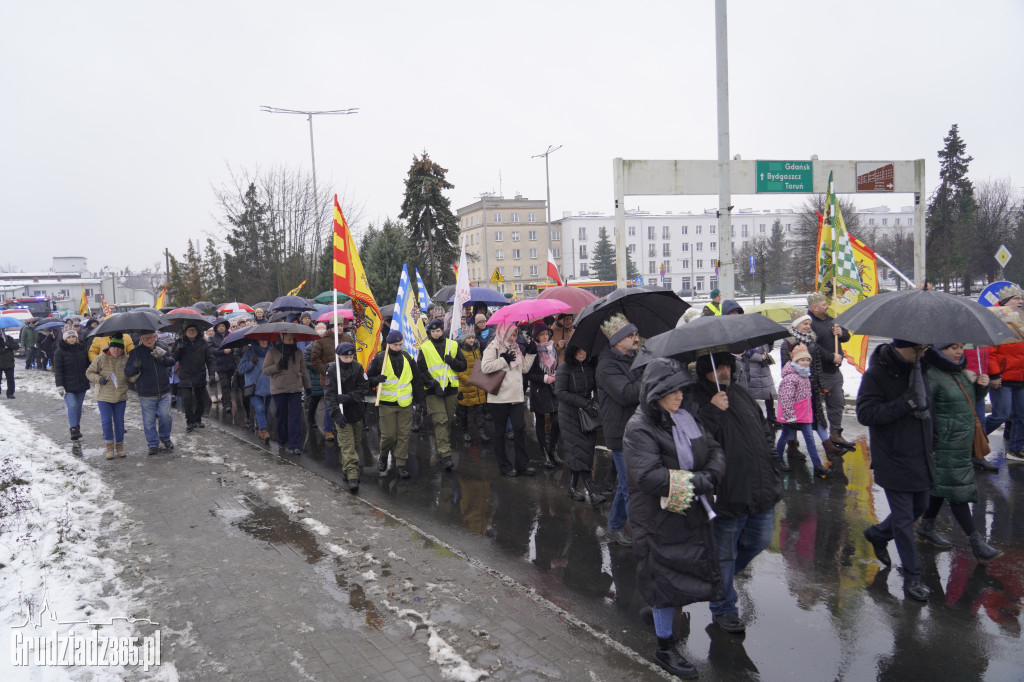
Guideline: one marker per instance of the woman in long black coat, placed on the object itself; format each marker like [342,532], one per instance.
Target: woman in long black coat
[543,404]
[69,365]
[672,467]
[575,388]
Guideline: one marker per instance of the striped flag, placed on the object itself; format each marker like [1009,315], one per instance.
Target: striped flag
[350,279]
[161,300]
[107,310]
[421,292]
[83,306]
[553,269]
[402,319]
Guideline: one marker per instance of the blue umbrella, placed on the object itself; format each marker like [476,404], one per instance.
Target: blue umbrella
[8,321]
[484,295]
[290,303]
[50,325]
[236,338]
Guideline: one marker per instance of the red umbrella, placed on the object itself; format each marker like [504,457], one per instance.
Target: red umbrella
[185,310]
[577,298]
[233,307]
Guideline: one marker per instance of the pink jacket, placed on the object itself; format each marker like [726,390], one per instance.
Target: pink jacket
[794,403]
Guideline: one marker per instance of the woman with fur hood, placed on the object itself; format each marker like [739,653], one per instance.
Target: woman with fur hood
[107,372]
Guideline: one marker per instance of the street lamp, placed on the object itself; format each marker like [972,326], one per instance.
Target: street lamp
[547,182]
[309,117]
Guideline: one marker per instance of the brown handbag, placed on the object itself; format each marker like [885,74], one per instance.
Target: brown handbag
[981,447]
[490,383]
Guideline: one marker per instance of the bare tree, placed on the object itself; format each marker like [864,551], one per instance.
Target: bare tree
[995,220]
[805,238]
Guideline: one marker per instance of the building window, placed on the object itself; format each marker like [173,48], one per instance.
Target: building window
[787,227]
[518,287]
[583,234]
[515,235]
[650,250]
[700,263]
[556,253]
[583,252]
[650,267]
[686,283]
[697,231]
[650,231]
[713,246]
[497,217]
[531,217]
[760,228]
[664,231]
[630,248]
[885,222]
[896,222]
[713,281]
[667,281]
[700,283]
[515,217]
[515,254]
[499,254]
[700,246]
[556,235]
[632,230]
[712,228]
[533,271]
[498,237]
[686,247]
[532,235]
[533,253]
[584,271]
[871,221]
[685,229]
[743,231]
[666,250]
[517,271]
[686,263]
[501,271]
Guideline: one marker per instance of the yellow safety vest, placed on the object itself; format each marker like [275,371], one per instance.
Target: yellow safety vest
[715,308]
[436,365]
[397,389]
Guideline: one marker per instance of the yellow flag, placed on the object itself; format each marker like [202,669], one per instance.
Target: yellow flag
[83,307]
[350,279]
[161,300]
[295,291]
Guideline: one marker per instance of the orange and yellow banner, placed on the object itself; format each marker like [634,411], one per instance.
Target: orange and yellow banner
[295,291]
[161,300]
[350,279]
[107,310]
[83,306]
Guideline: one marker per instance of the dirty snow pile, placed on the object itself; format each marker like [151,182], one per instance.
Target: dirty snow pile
[60,529]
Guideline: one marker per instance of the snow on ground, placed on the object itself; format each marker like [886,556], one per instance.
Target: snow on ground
[59,530]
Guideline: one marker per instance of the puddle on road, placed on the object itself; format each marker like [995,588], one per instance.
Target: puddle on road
[358,601]
[272,525]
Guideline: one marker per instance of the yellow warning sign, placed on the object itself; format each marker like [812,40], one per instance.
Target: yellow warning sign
[496,277]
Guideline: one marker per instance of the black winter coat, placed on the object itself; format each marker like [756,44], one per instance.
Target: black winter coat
[542,395]
[69,365]
[196,360]
[901,444]
[354,387]
[574,389]
[7,348]
[154,373]
[618,394]
[822,329]
[752,482]
[224,362]
[677,558]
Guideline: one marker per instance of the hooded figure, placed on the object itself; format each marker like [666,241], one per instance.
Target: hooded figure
[674,465]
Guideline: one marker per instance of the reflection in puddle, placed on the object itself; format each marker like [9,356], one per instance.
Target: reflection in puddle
[358,601]
[273,525]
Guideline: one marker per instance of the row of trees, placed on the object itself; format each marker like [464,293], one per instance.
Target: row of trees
[276,231]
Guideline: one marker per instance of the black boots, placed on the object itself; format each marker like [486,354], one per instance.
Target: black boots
[593,497]
[575,495]
[926,531]
[76,432]
[551,458]
[783,464]
[668,657]
[982,550]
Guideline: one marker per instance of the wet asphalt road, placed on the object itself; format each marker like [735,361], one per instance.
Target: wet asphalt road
[817,605]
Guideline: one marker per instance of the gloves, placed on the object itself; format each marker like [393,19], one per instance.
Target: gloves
[61,391]
[103,381]
[702,483]
[508,356]
[449,360]
[282,364]
[339,419]
[592,410]
[531,347]
[459,396]
[549,378]
[439,391]
[373,381]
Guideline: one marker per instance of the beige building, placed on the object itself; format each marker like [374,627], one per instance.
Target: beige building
[509,235]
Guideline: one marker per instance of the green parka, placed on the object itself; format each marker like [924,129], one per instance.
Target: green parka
[954,428]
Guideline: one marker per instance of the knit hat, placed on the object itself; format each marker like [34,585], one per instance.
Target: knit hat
[799,351]
[70,332]
[117,341]
[537,331]
[436,323]
[345,348]
[715,293]
[903,343]
[815,297]
[944,345]
[798,321]
[1008,292]
[616,328]
[395,336]
[480,318]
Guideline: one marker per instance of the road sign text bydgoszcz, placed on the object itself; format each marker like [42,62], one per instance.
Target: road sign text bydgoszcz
[785,176]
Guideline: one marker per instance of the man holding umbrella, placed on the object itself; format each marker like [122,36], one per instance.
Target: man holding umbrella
[149,365]
[196,359]
[746,497]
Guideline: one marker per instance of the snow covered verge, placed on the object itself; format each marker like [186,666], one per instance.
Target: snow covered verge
[60,529]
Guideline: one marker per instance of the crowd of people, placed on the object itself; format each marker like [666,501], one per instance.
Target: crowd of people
[697,451]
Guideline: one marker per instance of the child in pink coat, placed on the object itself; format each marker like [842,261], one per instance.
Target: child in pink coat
[794,409]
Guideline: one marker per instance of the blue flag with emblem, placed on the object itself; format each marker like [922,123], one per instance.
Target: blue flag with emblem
[401,319]
[421,292]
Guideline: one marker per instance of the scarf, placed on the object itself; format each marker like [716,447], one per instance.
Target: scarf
[805,372]
[684,430]
[501,334]
[806,339]
[548,357]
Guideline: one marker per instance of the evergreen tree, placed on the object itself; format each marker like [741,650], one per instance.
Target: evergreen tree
[248,262]
[602,261]
[951,214]
[212,273]
[432,227]
[631,270]
[384,251]
[185,283]
[776,266]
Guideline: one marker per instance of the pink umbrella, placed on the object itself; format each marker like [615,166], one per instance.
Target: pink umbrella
[528,310]
[233,307]
[346,313]
[577,298]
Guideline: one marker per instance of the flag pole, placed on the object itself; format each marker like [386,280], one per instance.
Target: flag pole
[385,365]
[337,365]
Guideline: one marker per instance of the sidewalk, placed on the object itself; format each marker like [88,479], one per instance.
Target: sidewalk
[257,569]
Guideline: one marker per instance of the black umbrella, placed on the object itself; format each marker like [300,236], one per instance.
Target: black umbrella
[201,305]
[653,312]
[926,316]
[290,303]
[265,305]
[387,310]
[444,293]
[736,332]
[272,331]
[176,322]
[126,323]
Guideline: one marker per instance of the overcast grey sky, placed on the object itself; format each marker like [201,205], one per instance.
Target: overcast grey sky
[119,116]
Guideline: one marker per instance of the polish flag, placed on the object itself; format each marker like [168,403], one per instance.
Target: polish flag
[553,269]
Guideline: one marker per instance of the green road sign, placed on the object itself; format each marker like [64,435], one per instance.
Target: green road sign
[785,176]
